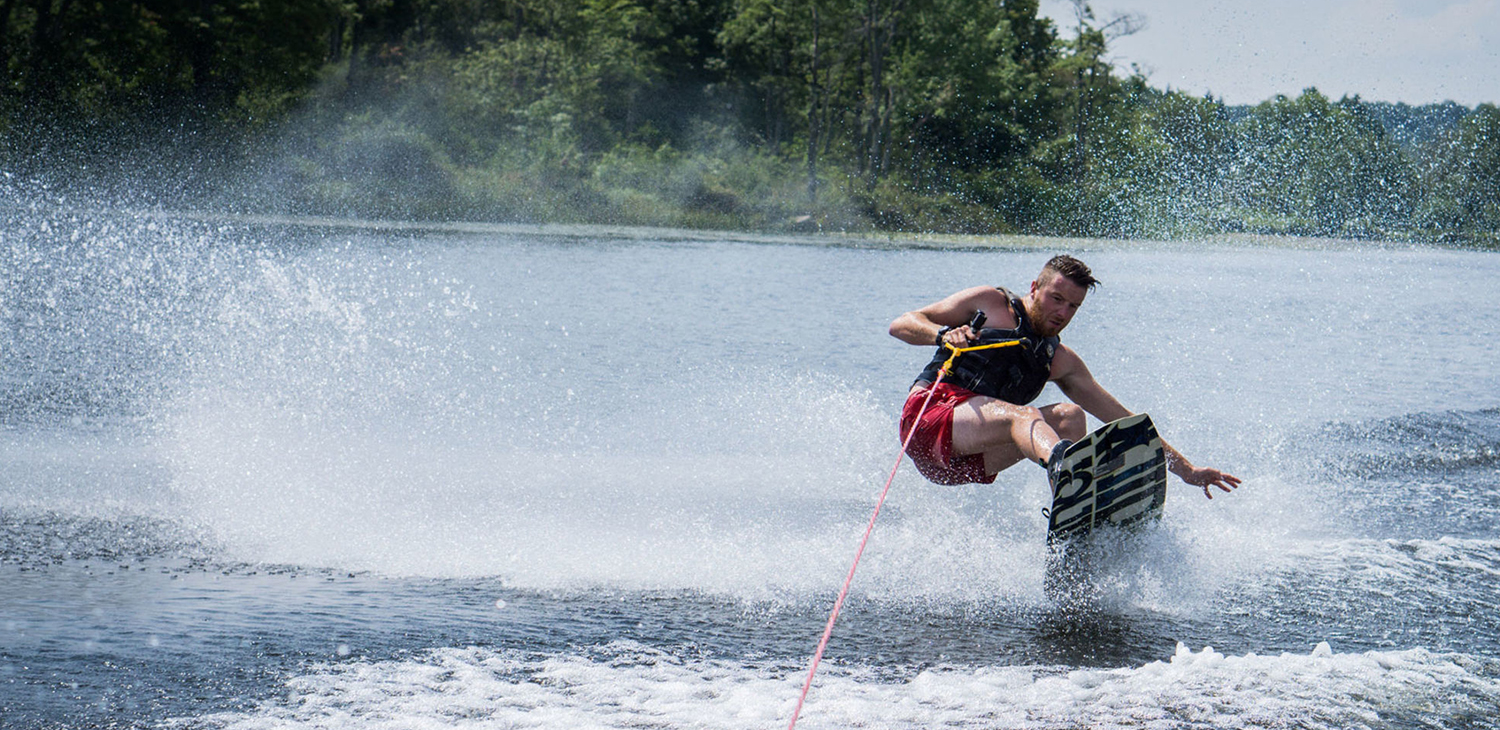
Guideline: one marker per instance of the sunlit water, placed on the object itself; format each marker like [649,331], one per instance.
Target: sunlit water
[271,475]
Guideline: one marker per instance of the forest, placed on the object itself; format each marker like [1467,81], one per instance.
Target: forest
[835,115]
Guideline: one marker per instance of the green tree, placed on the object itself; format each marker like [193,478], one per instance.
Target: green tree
[1163,173]
[1321,167]
[566,81]
[1463,184]
[89,61]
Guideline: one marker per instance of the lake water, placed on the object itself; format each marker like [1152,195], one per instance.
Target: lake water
[309,475]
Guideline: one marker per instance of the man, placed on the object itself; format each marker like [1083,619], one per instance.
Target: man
[978,422]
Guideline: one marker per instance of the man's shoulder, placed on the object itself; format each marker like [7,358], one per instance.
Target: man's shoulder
[996,303]
[984,291]
[988,295]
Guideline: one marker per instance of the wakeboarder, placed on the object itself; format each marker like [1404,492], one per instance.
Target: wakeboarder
[979,421]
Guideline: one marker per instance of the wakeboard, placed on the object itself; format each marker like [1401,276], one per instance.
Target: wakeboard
[1116,475]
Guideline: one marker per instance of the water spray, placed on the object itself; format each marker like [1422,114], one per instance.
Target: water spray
[838,605]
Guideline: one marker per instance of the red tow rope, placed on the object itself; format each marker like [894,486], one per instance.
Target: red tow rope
[838,605]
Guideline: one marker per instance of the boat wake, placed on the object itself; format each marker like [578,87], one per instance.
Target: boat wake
[626,684]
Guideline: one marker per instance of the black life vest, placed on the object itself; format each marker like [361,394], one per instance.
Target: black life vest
[1013,374]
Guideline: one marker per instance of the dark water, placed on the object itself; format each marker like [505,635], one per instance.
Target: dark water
[277,475]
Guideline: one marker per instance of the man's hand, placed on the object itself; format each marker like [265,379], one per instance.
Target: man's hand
[1198,476]
[960,336]
[1208,478]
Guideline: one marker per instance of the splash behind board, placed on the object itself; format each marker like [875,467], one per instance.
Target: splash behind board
[1116,475]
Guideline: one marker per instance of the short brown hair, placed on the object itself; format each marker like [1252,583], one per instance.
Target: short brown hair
[1077,271]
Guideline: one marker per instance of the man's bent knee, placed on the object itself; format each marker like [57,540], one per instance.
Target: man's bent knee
[1031,413]
[1068,420]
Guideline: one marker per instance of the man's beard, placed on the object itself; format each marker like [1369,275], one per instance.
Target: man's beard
[1041,327]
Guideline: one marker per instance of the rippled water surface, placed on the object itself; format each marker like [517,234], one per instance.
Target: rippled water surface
[259,474]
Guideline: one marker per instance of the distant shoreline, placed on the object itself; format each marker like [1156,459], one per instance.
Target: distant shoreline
[827,239]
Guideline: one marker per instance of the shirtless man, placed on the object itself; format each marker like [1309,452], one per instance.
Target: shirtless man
[978,422]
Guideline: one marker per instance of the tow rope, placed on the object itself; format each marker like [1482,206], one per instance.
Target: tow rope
[838,605]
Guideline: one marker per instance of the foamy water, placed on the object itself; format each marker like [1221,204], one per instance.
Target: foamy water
[630,685]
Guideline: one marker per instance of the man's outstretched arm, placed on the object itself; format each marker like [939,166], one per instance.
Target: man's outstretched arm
[1198,476]
[920,326]
[1076,382]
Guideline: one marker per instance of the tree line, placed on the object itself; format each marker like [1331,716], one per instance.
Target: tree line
[932,115]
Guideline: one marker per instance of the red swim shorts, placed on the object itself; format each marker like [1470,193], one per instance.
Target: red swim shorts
[931,448]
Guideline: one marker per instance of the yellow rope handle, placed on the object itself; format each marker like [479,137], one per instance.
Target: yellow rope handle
[947,368]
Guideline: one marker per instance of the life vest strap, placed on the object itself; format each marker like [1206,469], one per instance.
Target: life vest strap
[947,368]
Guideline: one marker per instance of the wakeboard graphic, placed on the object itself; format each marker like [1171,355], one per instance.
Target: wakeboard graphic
[1116,475]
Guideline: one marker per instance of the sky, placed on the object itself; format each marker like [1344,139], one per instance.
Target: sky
[1248,51]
